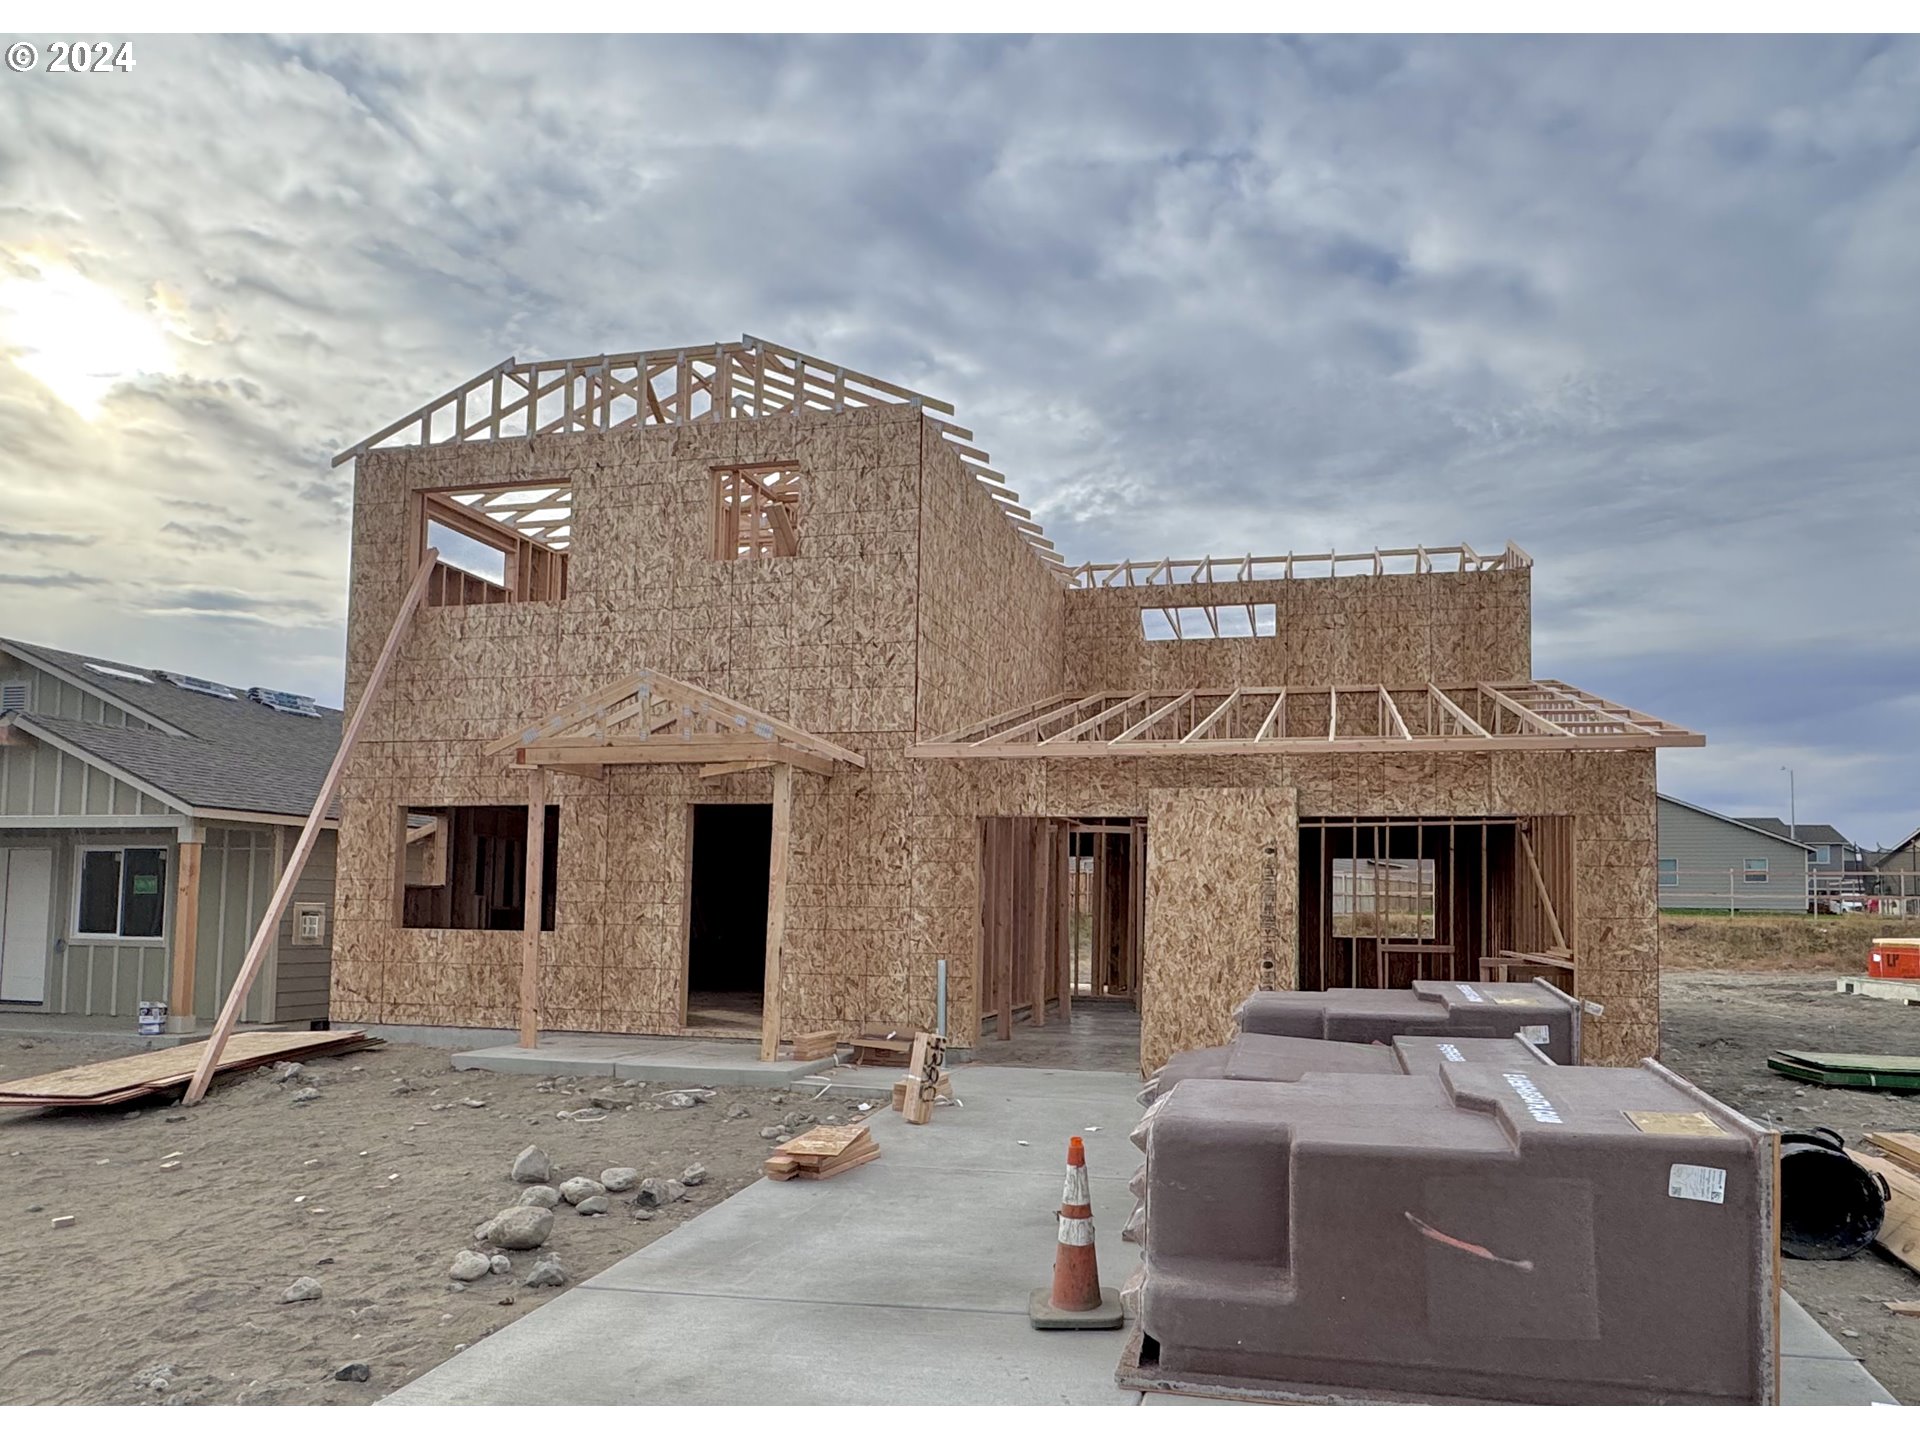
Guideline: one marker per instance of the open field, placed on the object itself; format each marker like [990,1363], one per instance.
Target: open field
[1774,942]
[370,1189]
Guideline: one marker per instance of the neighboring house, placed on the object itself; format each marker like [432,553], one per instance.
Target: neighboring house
[1835,862]
[145,818]
[1710,861]
[1895,877]
[810,715]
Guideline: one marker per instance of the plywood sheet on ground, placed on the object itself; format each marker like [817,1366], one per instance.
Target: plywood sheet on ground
[106,1081]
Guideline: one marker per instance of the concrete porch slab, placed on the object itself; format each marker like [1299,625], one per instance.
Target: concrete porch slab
[675,1060]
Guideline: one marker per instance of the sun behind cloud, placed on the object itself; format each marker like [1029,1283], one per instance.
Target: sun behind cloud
[75,336]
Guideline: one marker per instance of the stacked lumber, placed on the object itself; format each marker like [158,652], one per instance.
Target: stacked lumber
[159,1072]
[1900,1231]
[822,1153]
[814,1045]
[875,1049]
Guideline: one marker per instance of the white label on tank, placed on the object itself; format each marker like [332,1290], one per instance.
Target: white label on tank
[1452,1052]
[1472,994]
[1697,1182]
[1538,1106]
[1538,1034]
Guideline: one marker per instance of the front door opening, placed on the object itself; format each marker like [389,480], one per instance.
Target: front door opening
[730,852]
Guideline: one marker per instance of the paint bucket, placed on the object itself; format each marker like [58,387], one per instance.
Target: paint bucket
[153,1017]
[1831,1206]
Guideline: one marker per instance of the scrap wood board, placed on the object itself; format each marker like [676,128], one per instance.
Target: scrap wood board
[880,1049]
[1857,1072]
[1900,1232]
[1902,1145]
[108,1082]
[823,1151]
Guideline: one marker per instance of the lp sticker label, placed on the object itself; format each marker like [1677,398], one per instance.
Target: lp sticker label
[1697,1182]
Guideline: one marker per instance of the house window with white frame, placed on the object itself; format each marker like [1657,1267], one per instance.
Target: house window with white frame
[119,892]
[1822,855]
[1755,871]
[1669,873]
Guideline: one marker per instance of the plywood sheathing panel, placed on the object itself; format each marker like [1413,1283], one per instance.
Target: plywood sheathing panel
[1453,627]
[1208,856]
[992,616]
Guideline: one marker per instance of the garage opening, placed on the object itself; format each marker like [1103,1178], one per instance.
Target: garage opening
[1388,901]
[731,849]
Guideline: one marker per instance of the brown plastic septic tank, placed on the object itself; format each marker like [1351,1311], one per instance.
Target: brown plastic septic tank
[1287,1058]
[1476,1232]
[1536,1011]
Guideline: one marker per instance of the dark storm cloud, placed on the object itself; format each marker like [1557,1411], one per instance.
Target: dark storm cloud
[1645,306]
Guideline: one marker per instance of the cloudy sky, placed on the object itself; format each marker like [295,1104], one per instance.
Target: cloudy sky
[1650,308]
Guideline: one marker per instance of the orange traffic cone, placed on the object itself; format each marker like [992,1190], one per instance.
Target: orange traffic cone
[1075,1300]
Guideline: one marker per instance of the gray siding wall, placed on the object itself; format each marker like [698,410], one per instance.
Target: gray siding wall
[306,971]
[1704,849]
[95,977]
[37,779]
[50,695]
[236,882]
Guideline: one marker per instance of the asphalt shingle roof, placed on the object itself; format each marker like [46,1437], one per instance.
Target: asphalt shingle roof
[1805,834]
[235,755]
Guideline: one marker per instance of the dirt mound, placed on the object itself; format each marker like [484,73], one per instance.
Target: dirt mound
[1773,942]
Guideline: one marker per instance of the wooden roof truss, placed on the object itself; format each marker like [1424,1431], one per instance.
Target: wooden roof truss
[652,719]
[603,394]
[1209,570]
[1522,715]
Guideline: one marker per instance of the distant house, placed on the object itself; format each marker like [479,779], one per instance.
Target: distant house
[1836,863]
[145,818]
[1894,876]
[1710,861]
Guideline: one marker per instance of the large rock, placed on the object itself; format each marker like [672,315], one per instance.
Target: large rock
[547,1272]
[470,1265]
[531,1166]
[305,1288]
[545,1196]
[592,1205]
[655,1192]
[520,1227]
[359,1372]
[501,1265]
[694,1174]
[619,1178]
[579,1188]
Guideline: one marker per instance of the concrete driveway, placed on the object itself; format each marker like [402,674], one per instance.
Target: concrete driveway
[920,1262]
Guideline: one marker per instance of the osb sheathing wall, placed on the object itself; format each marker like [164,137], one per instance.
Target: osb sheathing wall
[1213,852]
[1449,627]
[1187,998]
[826,639]
[992,616]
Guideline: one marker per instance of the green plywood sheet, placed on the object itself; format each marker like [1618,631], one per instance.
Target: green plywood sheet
[1859,1072]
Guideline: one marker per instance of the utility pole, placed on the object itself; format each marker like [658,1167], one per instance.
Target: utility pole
[1793,829]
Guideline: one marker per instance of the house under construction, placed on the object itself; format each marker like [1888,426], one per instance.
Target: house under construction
[794,701]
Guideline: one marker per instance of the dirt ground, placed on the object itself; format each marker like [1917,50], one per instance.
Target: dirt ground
[1717,1029]
[371,1190]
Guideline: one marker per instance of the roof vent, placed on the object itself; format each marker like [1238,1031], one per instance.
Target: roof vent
[285,702]
[198,686]
[13,696]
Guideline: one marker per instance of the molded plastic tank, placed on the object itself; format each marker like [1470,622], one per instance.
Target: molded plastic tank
[1476,1232]
[1537,1011]
[1286,1058]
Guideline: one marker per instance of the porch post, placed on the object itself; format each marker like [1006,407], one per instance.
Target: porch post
[535,903]
[186,931]
[776,909]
